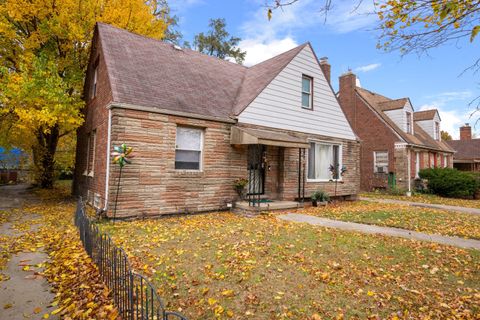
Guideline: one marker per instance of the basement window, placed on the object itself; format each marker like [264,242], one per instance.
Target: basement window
[188,148]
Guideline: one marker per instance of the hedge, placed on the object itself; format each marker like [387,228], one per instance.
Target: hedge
[449,182]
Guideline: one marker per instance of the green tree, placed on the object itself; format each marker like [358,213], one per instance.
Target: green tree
[44,52]
[446,136]
[217,42]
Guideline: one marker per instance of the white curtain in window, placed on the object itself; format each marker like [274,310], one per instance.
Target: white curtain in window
[323,160]
[189,139]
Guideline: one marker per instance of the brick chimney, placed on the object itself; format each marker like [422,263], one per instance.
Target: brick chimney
[466,132]
[325,68]
[347,99]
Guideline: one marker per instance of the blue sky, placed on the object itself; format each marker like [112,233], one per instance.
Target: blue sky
[349,41]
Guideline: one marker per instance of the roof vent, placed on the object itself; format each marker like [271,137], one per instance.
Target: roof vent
[177,47]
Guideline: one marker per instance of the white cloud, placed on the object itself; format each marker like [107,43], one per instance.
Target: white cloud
[263,39]
[258,51]
[368,67]
[449,107]
[179,6]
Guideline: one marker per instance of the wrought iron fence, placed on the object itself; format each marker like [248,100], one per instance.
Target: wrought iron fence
[134,296]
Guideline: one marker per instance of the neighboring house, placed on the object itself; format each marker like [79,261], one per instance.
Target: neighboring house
[11,163]
[467,155]
[396,141]
[198,123]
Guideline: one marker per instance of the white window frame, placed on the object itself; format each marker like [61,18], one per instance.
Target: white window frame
[91,139]
[202,134]
[375,169]
[93,93]
[340,159]
[437,134]
[310,94]
[409,124]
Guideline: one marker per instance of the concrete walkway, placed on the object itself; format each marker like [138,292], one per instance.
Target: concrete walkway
[425,205]
[387,231]
[25,294]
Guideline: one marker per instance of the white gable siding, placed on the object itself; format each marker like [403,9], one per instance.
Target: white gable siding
[429,125]
[279,105]
[399,116]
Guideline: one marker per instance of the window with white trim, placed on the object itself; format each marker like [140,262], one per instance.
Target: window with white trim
[93,90]
[188,148]
[437,131]
[409,122]
[307,89]
[380,161]
[92,137]
[321,156]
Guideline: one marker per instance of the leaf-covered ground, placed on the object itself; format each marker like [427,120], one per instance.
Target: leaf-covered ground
[393,215]
[80,293]
[427,198]
[226,266]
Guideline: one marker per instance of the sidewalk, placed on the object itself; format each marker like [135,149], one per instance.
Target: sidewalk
[387,231]
[425,205]
[25,293]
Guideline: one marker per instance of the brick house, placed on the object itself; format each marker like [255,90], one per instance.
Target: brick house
[396,141]
[467,150]
[198,123]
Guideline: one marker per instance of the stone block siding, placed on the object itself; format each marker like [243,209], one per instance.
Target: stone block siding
[95,118]
[152,186]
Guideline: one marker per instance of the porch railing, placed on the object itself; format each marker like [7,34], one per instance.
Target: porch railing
[133,295]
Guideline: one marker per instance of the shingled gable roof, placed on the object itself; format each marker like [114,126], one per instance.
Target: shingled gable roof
[425,115]
[466,149]
[419,138]
[393,104]
[154,74]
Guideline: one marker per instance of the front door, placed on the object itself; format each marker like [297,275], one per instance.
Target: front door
[256,169]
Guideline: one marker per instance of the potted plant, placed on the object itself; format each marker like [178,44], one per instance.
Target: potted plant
[239,186]
[319,197]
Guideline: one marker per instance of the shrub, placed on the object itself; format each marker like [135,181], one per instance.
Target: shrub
[449,182]
[320,196]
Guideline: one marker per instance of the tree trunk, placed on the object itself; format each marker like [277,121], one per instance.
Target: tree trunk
[44,156]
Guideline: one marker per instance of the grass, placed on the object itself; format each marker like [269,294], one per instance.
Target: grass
[412,218]
[220,265]
[427,198]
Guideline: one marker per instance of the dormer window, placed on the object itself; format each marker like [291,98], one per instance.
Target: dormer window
[437,131]
[409,122]
[307,89]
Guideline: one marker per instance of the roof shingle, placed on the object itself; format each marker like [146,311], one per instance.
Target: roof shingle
[466,149]
[419,138]
[152,73]
[424,115]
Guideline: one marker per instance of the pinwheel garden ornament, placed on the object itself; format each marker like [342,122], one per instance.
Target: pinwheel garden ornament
[121,155]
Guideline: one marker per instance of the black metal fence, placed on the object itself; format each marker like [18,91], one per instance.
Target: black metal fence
[134,296]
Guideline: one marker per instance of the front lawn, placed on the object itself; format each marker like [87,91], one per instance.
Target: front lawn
[225,266]
[426,198]
[393,215]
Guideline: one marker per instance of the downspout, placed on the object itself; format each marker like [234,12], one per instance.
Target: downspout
[107,171]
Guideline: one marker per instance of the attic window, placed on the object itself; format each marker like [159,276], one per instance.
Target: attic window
[437,131]
[409,122]
[307,89]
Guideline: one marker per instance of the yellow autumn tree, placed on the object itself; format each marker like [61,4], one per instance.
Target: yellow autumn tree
[44,52]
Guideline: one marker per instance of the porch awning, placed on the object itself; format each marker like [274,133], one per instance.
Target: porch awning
[240,135]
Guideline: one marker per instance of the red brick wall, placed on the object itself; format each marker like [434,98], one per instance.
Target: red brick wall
[96,118]
[373,133]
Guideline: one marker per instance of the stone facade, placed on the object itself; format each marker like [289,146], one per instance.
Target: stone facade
[152,186]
